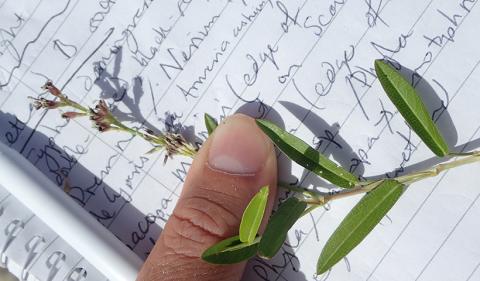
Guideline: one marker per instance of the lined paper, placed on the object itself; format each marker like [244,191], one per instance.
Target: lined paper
[307,65]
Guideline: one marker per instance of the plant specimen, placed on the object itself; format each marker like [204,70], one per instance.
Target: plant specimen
[380,195]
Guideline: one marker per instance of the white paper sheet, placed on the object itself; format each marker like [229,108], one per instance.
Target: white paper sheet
[307,65]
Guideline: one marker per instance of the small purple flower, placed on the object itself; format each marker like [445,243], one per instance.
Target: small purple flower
[72,114]
[39,103]
[52,89]
[101,116]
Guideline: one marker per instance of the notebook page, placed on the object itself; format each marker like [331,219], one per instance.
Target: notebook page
[32,251]
[307,65]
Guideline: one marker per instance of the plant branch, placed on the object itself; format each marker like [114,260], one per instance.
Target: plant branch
[103,119]
[319,198]
[464,159]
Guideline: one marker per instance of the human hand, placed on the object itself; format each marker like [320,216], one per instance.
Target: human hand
[228,170]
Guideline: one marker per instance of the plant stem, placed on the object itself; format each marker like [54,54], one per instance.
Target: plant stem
[467,158]
[78,106]
[312,196]
[358,189]
[319,199]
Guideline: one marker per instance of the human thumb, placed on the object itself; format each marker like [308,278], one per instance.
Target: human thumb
[230,168]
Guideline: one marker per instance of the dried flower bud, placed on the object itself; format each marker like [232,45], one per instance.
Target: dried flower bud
[51,88]
[149,131]
[173,143]
[102,108]
[72,114]
[94,116]
[39,103]
[101,116]
[103,127]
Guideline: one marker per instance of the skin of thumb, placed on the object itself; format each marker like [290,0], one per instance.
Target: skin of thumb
[230,168]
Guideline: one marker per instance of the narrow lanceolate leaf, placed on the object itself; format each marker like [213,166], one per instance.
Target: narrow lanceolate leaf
[230,250]
[278,225]
[252,216]
[210,123]
[409,104]
[359,222]
[300,152]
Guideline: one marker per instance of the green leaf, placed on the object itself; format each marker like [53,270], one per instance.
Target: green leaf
[300,152]
[210,123]
[252,216]
[278,225]
[409,104]
[359,222]
[230,250]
